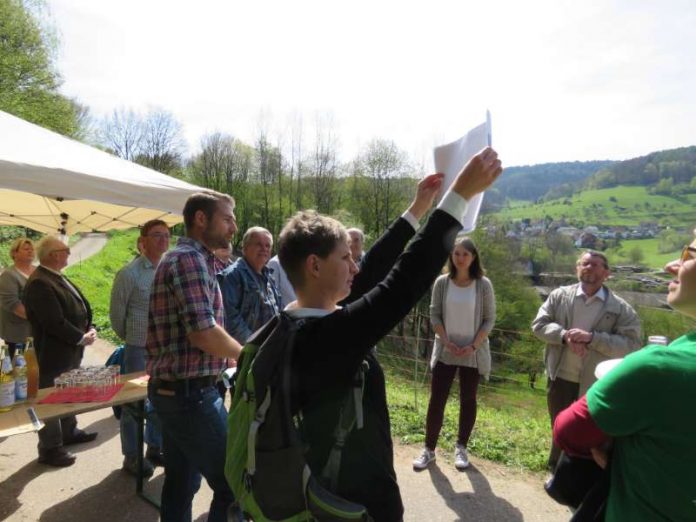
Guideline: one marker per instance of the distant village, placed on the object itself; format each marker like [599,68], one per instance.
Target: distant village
[593,237]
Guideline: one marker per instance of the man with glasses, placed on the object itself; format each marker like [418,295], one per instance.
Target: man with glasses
[644,405]
[61,323]
[582,325]
[130,298]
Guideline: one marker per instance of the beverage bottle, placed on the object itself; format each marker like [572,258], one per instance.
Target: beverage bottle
[32,369]
[19,370]
[7,383]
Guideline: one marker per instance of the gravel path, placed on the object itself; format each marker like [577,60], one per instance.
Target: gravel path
[86,247]
[96,488]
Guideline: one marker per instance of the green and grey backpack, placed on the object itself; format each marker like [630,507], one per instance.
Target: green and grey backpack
[265,465]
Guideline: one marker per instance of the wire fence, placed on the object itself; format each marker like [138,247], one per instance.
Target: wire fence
[409,352]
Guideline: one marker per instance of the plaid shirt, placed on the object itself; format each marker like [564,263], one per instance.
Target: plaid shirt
[185,298]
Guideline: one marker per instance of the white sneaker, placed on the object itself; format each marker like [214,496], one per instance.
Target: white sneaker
[461,459]
[425,458]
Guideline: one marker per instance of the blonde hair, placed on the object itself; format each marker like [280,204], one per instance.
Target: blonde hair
[19,243]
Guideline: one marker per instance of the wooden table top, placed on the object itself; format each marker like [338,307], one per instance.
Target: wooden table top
[17,421]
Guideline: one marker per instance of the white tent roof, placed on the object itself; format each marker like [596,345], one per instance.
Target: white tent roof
[49,182]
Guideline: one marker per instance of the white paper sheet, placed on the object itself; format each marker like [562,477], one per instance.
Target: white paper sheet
[451,158]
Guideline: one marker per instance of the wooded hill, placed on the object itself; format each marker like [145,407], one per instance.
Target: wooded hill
[668,173]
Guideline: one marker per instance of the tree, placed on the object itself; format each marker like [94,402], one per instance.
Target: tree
[29,81]
[225,164]
[635,255]
[162,142]
[324,165]
[383,166]
[154,140]
[122,133]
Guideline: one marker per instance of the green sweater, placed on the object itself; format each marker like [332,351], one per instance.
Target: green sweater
[648,404]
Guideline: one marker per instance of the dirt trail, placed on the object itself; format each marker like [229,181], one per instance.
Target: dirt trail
[96,489]
[86,247]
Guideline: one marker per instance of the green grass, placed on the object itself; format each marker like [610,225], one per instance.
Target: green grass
[95,276]
[512,425]
[594,207]
[652,258]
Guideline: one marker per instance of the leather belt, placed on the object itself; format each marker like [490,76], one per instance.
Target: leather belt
[194,383]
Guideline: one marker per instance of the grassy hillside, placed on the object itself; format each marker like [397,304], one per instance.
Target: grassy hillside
[95,276]
[651,256]
[621,205]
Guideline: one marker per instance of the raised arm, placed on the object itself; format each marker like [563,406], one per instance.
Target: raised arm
[351,332]
[387,249]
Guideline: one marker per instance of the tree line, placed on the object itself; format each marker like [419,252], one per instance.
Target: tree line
[270,178]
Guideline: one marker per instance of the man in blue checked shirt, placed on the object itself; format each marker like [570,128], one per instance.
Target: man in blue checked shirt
[130,298]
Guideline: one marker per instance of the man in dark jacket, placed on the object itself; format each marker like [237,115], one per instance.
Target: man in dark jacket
[61,320]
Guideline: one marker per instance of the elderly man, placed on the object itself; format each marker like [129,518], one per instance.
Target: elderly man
[645,405]
[249,293]
[357,243]
[130,298]
[187,348]
[582,324]
[61,322]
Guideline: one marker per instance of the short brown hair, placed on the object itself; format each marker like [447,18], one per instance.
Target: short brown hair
[145,229]
[207,202]
[476,270]
[307,233]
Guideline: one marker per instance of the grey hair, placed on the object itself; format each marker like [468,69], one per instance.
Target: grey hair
[357,231]
[47,245]
[249,234]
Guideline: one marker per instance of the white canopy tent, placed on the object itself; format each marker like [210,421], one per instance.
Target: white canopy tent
[53,184]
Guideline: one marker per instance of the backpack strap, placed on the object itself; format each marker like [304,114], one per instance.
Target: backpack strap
[351,415]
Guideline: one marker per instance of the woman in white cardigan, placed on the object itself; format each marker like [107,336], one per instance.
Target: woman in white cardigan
[462,311]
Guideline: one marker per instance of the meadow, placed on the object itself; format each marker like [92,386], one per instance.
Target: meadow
[618,206]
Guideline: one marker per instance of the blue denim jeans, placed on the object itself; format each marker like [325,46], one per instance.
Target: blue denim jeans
[134,361]
[194,436]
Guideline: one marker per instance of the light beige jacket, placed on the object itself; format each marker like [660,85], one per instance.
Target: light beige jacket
[484,318]
[616,332]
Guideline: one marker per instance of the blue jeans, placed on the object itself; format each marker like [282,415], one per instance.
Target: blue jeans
[194,434]
[134,361]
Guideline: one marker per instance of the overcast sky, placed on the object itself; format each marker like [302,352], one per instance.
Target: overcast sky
[564,79]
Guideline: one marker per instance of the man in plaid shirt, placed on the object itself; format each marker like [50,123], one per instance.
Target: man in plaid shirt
[187,348]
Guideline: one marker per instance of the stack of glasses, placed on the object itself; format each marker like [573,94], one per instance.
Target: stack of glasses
[89,380]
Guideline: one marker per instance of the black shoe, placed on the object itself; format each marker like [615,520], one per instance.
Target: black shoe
[79,437]
[155,456]
[57,457]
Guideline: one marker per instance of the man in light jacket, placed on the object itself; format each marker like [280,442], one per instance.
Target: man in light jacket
[582,324]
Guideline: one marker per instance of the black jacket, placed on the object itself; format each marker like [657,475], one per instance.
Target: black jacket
[58,321]
[330,350]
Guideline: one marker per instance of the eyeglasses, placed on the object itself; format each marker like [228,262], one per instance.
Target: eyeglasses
[688,252]
[62,250]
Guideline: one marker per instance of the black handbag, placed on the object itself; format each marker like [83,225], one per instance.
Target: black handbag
[582,485]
